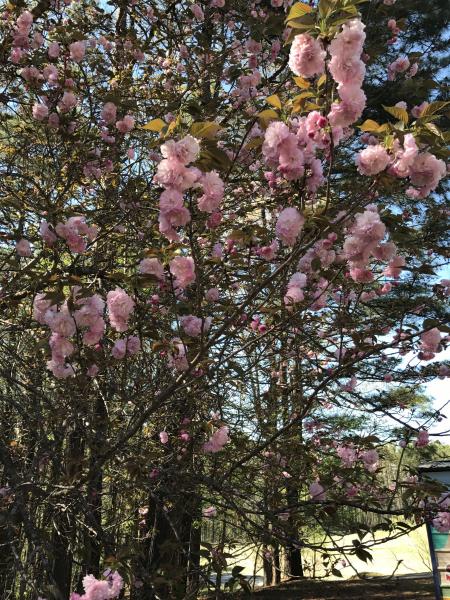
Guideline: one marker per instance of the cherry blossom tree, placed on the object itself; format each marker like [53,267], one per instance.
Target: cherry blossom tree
[223,252]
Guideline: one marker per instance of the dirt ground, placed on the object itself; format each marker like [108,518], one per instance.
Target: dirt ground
[380,589]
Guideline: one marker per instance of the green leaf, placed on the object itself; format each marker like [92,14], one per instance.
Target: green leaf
[266,116]
[433,107]
[363,554]
[154,125]
[305,23]
[245,585]
[212,157]
[274,100]
[236,571]
[302,83]
[369,125]
[205,129]
[326,7]
[298,10]
[434,129]
[336,573]
[397,112]
[256,142]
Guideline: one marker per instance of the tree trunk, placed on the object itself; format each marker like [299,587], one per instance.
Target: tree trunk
[277,563]
[267,566]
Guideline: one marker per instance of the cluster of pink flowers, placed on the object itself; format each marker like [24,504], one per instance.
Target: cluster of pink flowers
[429,343]
[120,307]
[370,459]
[67,102]
[87,316]
[213,191]
[317,492]
[372,160]
[177,356]
[21,35]
[197,11]
[247,87]
[322,252]
[23,247]
[281,151]
[364,241]
[46,233]
[425,174]
[423,438]
[62,325]
[126,124]
[348,70]
[289,224]
[174,175]
[127,346]
[218,440]
[268,252]
[90,316]
[401,65]
[194,326]
[347,454]
[423,168]
[152,266]
[442,520]
[73,230]
[77,50]
[182,269]
[295,287]
[307,56]
[97,589]
[292,153]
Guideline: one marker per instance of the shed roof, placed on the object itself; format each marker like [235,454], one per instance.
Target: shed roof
[435,465]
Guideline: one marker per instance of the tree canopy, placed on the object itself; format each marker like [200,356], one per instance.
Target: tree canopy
[223,249]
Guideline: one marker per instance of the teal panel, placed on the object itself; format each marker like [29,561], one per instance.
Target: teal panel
[440,540]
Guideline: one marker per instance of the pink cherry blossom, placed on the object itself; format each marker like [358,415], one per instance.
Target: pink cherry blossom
[127,346]
[295,287]
[47,235]
[423,438]
[77,51]
[23,247]
[197,12]
[395,267]
[370,459]
[306,57]
[68,102]
[430,340]
[120,307]
[109,112]
[209,512]
[177,356]
[317,492]
[183,270]
[184,151]
[212,295]
[289,225]
[372,160]
[54,50]
[193,326]
[152,266]
[40,111]
[126,124]
[217,441]
[213,191]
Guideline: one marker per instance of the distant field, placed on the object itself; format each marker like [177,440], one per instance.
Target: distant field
[407,555]
[401,589]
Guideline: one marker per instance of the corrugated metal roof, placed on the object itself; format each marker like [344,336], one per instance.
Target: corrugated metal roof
[435,465]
